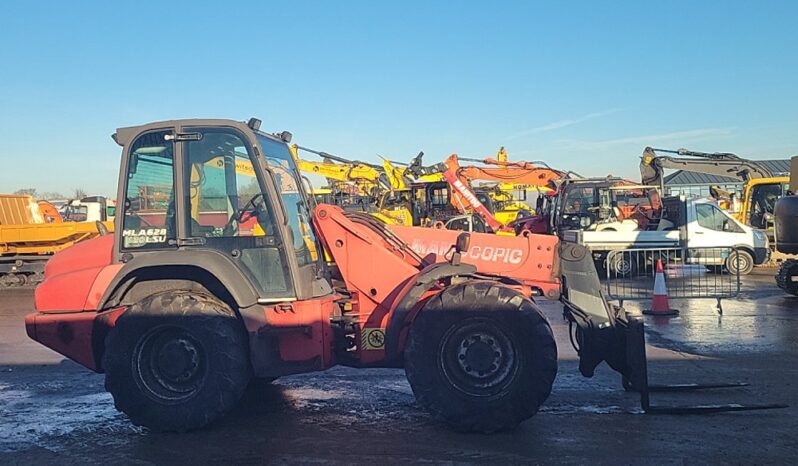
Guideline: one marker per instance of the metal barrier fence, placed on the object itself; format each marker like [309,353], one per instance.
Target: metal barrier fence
[711,273]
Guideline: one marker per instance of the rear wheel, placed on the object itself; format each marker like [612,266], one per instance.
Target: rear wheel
[621,265]
[481,357]
[176,361]
[741,260]
[784,278]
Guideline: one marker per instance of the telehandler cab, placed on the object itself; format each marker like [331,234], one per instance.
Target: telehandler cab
[215,275]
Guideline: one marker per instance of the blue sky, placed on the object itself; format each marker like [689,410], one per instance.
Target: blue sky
[584,86]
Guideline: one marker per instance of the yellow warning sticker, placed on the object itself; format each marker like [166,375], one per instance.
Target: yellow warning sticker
[373,338]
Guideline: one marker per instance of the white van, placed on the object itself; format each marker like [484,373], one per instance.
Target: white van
[683,223]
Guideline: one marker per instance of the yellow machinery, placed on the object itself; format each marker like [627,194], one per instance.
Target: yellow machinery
[398,178]
[370,180]
[27,240]
[759,199]
[508,200]
[393,196]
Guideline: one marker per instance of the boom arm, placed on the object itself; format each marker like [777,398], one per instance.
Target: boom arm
[652,166]
[463,196]
[367,177]
[515,173]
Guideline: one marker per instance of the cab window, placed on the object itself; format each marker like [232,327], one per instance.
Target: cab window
[149,209]
[228,209]
[282,164]
[225,195]
[439,196]
[763,201]
[713,218]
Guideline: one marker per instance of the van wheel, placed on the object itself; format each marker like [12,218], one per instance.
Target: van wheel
[621,265]
[176,361]
[742,260]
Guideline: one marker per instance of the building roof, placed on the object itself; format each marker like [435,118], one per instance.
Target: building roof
[682,178]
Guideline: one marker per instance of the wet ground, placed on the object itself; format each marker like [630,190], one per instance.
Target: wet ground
[52,411]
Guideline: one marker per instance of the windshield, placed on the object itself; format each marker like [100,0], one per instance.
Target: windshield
[279,159]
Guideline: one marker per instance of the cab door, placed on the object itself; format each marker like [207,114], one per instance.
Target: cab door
[147,195]
[225,208]
[711,227]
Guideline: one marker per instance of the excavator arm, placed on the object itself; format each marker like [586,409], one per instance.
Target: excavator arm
[370,179]
[463,197]
[652,166]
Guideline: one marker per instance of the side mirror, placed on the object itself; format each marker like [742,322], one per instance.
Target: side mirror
[462,243]
[460,246]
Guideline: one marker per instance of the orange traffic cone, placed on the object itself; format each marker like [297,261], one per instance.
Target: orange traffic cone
[659,302]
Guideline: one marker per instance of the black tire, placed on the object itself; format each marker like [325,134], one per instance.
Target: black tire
[176,361]
[745,262]
[787,270]
[489,327]
[621,265]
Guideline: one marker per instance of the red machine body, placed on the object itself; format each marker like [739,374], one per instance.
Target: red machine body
[69,300]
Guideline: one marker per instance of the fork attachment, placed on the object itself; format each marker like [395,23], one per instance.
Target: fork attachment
[636,379]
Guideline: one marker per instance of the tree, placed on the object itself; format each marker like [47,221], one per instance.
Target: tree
[49,196]
[79,193]
[26,192]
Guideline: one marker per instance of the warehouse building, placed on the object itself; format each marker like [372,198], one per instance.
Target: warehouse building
[697,184]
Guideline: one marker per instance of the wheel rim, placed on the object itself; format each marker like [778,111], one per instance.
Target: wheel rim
[478,358]
[623,267]
[738,263]
[170,364]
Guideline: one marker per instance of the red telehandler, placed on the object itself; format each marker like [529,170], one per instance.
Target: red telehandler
[215,275]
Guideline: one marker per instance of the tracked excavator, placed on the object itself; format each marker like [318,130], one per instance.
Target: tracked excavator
[761,186]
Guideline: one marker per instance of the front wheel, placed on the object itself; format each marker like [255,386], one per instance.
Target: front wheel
[741,261]
[481,357]
[176,361]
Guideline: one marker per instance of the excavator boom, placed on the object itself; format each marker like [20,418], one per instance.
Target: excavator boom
[370,179]
[652,166]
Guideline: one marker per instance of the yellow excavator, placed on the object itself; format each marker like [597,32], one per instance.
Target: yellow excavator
[369,181]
